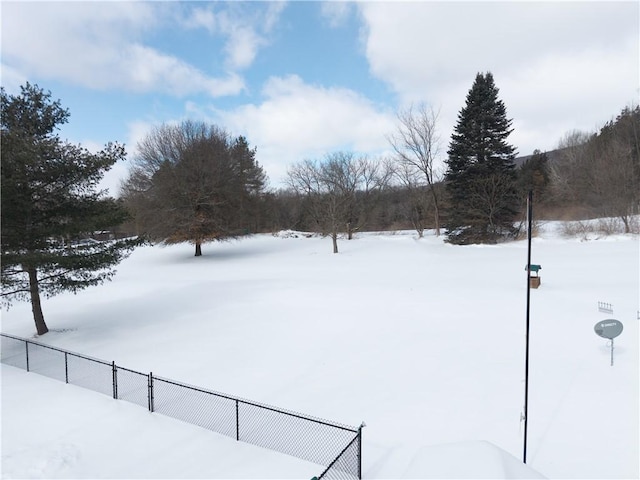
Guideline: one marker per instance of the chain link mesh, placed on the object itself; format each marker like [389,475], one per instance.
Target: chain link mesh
[347,464]
[132,386]
[195,406]
[302,436]
[13,352]
[46,361]
[90,373]
[295,435]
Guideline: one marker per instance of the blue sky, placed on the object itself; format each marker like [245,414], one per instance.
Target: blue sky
[302,79]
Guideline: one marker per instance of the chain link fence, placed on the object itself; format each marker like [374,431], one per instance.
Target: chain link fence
[335,446]
[348,464]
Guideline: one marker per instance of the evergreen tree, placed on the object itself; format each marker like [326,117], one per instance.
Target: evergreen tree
[480,176]
[534,175]
[50,203]
[249,182]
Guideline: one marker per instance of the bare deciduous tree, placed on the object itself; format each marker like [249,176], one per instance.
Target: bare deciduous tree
[338,190]
[600,173]
[567,174]
[417,146]
[193,183]
[416,204]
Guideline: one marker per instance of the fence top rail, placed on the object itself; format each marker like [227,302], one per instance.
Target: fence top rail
[84,357]
[131,371]
[260,405]
[199,389]
[73,354]
[12,336]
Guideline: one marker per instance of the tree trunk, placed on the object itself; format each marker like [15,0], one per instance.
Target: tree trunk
[36,307]
[625,221]
[419,228]
[198,249]
[334,238]
[436,208]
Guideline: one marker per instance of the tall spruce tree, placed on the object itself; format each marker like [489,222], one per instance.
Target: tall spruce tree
[50,203]
[480,177]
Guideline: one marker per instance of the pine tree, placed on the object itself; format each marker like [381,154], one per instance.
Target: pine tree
[49,203]
[480,177]
[534,175]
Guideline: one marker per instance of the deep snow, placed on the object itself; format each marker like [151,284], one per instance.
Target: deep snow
[422,340]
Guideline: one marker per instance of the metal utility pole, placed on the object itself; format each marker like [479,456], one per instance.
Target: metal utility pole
[526,363]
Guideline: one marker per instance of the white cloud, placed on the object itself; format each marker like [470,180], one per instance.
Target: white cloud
[199,17]
[11,78]
[151,70]
[272,15]
[553,96]
[298,121]
[98,45]
[336,12]
[245,29]
[294,121]
[559,65]
[242,46]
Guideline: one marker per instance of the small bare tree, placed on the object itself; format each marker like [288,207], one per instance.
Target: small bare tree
[365,180]
[417,146]
[338,191]
[417,202]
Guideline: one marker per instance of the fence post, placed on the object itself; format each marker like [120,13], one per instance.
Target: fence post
[360,450]
[114,379]
[237,420]
[66,368]
[26,346]
[150,393]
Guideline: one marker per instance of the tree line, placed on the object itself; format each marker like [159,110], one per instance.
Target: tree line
[598,174]
[194,182]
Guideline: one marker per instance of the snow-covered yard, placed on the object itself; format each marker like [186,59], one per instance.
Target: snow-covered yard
[422,340]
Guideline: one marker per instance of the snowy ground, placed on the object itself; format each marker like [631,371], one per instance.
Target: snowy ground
[77,433]
[422,340]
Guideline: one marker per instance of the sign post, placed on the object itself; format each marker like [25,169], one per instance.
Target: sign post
[525,415]
[610,329]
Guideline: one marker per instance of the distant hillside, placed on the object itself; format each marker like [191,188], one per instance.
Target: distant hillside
[554,156]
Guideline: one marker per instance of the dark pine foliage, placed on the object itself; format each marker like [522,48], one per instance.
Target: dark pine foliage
[50,203]
[534,175]
[480,177]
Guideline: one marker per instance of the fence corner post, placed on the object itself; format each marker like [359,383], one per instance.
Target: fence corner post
[362,425]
